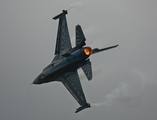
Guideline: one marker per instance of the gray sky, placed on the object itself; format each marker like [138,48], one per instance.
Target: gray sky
[125,83]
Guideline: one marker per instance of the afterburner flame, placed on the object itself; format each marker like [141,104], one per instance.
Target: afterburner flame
[87,50]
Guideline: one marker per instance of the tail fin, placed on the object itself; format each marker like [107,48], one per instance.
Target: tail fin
[96,50]
[87,69]
[80,38]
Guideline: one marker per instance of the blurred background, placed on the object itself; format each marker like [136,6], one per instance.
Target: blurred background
[125,81]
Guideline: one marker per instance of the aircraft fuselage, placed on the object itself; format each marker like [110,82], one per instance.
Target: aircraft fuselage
[55,69]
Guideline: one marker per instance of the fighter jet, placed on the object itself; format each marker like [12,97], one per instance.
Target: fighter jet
[68,60]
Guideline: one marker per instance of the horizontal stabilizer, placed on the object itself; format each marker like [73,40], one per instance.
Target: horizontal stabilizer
[80,38]
[87,69]
[96,50]
[60,15]
[87,105]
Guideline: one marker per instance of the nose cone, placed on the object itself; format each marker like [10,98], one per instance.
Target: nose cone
[40,79]
[36,81]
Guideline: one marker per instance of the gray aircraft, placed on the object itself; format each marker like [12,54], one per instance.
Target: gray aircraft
[67,60]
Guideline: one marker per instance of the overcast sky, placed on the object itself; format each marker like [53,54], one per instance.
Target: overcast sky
[124,86]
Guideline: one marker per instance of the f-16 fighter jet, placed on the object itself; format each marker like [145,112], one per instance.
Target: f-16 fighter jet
[67,60]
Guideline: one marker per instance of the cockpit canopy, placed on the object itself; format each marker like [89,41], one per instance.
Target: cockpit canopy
[50,65]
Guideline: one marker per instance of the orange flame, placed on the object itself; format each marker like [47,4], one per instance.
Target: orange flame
[87,50]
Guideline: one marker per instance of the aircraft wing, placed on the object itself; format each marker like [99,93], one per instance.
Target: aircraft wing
[63,43]
[72,82]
